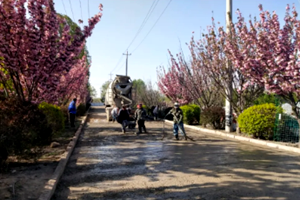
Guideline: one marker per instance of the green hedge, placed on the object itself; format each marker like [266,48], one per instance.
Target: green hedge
[265,98]
[54,116]
[259,120]
[213,116]
[191,114]
[145,107]
[81,109]
[24,129]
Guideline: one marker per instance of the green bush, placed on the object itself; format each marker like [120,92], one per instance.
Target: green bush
[259,120]
[265,98]
[146,109]
[81,109]
[23,129]
[55,117]
[214,116]
[191,114]
[65,112]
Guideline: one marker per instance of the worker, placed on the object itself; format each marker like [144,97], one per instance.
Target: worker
[155,112]
[177,120]
[72,111]
[114,113]
[123,118]
[129,110]
[140,117]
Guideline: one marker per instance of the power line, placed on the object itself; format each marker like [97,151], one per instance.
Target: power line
[88,2]
[150,11]
[80,9]
[152,26]
[117,64]
[72,11]
[64,6]
[120,67]
[110,76]
[81,23]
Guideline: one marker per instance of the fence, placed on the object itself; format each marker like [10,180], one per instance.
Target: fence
[286,127]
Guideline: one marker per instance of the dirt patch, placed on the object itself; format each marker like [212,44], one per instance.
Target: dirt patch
[25,179]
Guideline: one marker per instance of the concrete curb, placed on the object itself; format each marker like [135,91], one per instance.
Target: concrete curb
[50,186]
[241,138]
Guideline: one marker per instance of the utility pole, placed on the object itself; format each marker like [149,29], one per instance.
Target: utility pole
[110,76]
[126,60]
[228,106]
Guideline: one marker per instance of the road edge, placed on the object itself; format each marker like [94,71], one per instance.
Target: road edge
[241,138]
[51,184]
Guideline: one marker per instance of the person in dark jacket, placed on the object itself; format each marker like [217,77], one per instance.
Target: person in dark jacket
[178,120]
[155,112]
[72,112]
[123,118]
[140,116]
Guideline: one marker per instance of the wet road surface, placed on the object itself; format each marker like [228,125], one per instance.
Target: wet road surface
[107,164]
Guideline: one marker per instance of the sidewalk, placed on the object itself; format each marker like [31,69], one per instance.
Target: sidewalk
[50,186]
[241,138]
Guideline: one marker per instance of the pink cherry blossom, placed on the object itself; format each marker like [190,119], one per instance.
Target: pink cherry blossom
[40,59]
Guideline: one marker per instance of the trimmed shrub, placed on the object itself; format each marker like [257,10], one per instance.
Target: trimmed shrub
[54,116]
[214,116]
[65,112]
[148,111]
[145,107]
[81,109]
[265,98]
[191,114]
[87,106]
[23,129]
[259,120]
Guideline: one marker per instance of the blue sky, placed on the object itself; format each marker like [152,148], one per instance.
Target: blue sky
[122,19]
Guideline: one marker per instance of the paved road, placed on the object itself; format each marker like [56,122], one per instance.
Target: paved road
[107,164]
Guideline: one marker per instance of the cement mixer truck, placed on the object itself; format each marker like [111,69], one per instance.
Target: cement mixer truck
[119,93]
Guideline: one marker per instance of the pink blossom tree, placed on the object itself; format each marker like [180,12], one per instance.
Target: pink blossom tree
[74,83]
[36,54]
[170,83]
[268,54]
[211,52]
[193,81]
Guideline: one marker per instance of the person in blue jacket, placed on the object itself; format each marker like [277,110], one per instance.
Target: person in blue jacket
[72,111]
